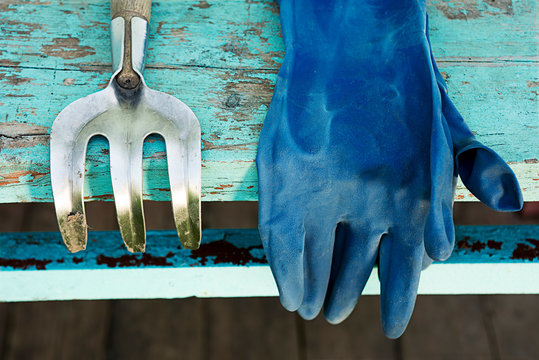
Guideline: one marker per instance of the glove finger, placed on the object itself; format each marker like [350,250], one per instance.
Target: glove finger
[483,171]
[439,230]
[355,253]
[401,258]
[319,242]
[283,242]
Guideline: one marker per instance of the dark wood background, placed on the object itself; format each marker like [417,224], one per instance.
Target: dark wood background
[442,327]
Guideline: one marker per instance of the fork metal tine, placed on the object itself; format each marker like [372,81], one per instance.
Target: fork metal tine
[67,183]
[184,177]
[126,177]
[68,140]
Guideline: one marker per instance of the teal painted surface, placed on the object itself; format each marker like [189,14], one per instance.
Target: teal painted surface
[36,266]
[46,251]
[221,59]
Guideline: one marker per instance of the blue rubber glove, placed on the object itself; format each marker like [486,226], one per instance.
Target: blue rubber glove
[358,157]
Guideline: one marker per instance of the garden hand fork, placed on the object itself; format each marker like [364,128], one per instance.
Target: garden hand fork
[125,112]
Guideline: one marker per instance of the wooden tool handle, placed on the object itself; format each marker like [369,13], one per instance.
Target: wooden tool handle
[129,8]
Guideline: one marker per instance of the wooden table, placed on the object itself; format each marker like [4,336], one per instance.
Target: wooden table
[221,59]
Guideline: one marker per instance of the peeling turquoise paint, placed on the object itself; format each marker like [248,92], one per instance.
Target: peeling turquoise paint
[222,61]
[231,263]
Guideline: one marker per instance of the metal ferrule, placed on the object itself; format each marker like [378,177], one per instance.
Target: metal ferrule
[139,39]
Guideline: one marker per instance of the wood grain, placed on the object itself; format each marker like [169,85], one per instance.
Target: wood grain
[139,7]
[358,337]
[58,330]
[5,327]
[221,59]
[446,328]
[254,328]
[514,321]
[158,329]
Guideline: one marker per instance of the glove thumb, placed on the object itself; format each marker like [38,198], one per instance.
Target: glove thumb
[483,171]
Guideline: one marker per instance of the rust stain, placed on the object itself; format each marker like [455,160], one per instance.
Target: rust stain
[474,247]
[531,161]
[223,252]
[135,260]
[77,260]
[222,187]
[24,263]
[532,84]
[100,197]
[527,252]
[495,245]
[18,96]
[13,178]
[67,48]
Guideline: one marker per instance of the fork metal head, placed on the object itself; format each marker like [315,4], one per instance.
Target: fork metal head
[125,117]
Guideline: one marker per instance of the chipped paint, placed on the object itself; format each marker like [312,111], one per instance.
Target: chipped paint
[67,48]
[493,244]
[20,177]
[223,252]
[527,251]
[472,9]
[219,267]
[202,5]
[134,260]
[24,264]
[225,70]
[472,246]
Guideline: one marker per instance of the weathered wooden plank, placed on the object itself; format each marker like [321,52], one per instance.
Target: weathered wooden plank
[446,328]
[254,328]
[503,259]
[158,329]
[221,59]
[238,33]
[358,337]
[4,326]
[498,30]
[514,319]
[230,139]
[58,330]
